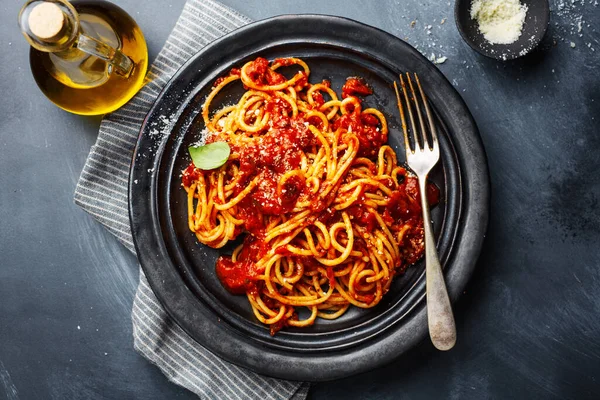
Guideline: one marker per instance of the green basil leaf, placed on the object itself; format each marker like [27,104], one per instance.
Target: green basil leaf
[210,156]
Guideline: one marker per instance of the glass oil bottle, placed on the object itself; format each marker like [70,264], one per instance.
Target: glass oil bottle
[88,57]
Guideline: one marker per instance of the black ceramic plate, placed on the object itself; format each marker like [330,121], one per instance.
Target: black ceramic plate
[181,270]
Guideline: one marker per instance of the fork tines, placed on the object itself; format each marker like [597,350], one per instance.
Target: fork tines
[424,140]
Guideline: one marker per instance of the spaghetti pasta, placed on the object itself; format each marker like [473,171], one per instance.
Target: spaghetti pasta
[329,216]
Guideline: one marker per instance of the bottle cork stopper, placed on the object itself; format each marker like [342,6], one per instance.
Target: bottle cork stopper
[46,20]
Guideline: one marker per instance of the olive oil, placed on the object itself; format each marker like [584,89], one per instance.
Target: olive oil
[93,62]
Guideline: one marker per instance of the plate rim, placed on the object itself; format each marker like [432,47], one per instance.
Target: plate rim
[282,364]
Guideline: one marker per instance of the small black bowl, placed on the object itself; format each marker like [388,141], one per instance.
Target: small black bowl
[534,29]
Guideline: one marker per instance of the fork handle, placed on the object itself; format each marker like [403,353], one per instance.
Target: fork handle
[442,328]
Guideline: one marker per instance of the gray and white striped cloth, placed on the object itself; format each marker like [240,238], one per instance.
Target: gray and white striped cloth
[102,192]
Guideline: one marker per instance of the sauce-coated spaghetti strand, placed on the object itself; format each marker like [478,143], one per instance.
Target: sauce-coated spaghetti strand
[329,216]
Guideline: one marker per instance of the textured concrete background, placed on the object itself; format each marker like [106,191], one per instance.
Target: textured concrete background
[528,323]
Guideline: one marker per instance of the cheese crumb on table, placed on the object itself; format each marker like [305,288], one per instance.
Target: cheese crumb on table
[500,21]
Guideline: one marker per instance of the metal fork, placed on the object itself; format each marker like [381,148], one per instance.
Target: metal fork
[442,329]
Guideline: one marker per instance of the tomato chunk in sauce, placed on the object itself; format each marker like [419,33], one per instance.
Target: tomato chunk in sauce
[238,277]
[355,86]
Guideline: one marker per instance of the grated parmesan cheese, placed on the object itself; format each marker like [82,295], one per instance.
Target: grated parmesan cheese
[500,21]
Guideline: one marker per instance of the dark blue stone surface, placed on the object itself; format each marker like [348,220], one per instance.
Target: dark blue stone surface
[528,323]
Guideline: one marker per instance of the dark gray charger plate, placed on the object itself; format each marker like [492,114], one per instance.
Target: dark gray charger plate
[181,270]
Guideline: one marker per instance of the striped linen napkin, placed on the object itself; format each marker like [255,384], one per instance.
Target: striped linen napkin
[102,192]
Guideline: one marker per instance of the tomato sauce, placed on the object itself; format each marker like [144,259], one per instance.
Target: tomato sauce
[359,214]
[254,249]
[355,86]
[282,323]
[318,98]
[233,72]
[190,174]
[275,151]
[301,82]
[364,126]
[238,277]
[330,276]
[368,298]
[284,62]
[261,74]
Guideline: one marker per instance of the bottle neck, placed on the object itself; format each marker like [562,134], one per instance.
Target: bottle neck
[49,26]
